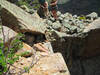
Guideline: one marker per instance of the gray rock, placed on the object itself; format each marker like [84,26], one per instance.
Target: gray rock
[64,29]
[82,26]
[75,16]
[93,15]
[62,16]
[66,23]
[79,30]
[68,15]
[48,45]
[58,13]
[60,34]
[56,25]
[52,19]
[72,29]
[93,26]
[49,22]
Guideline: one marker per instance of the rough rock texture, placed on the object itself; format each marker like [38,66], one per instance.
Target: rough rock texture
[19,65]
[52,65]
[86,44]
[81,51]
[19,20]
[70,24]
[8,34]
[49,65]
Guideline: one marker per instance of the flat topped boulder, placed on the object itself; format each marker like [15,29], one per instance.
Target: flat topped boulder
[19,20]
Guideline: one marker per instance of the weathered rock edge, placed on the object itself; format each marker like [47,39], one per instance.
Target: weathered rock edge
[19,20]
[86,44]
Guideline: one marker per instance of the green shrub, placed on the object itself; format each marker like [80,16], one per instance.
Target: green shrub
[26,69]
[3,64]
[7,54]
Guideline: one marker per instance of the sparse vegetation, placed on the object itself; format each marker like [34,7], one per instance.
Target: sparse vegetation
[33,4]
[7,53]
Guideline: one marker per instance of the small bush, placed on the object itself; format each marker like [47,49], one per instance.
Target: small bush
[7,53]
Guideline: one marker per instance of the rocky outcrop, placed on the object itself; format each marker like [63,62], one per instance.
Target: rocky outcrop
[49,65]
[19,20]
[84,45]
[76,37]
[54,64]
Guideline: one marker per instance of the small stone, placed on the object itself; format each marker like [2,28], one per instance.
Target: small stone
[58,13]
[93,15]
[56,25]
[63,29]
[66,14]
[73,28]
[52,19]
[81,26]
[66,23]
[59,34]
[49,22]
[75,16]
[79,30]
[62,16]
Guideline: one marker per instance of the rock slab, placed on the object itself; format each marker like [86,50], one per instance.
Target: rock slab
[52,65]
[19,20]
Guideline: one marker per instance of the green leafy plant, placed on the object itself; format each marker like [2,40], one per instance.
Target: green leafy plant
[3,64]
[26,69]
[7,54]
[25,53]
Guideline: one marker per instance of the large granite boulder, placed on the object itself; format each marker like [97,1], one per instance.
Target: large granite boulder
[19,20]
